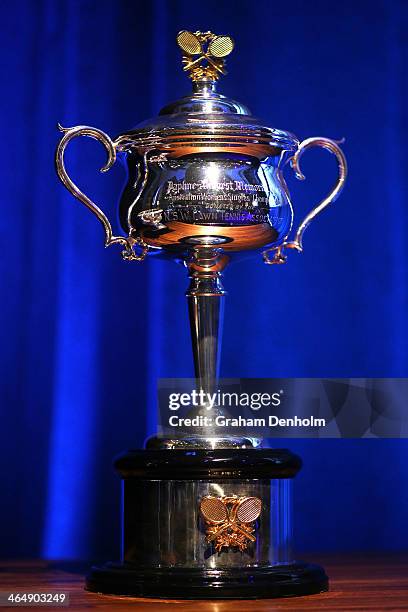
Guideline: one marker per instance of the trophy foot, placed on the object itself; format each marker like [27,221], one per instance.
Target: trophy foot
[201,442]
[289,580]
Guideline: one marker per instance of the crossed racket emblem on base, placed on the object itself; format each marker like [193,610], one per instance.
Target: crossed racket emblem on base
[230,520]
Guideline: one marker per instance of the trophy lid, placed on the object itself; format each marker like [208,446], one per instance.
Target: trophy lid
[206,121]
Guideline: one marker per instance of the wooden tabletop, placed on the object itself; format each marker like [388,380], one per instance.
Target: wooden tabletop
[357,583]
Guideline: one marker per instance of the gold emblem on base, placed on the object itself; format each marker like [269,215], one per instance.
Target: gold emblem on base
[230,520]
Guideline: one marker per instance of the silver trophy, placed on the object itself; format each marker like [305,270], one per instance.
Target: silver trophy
[205,185]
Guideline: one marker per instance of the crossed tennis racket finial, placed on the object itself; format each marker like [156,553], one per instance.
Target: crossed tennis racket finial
[204,53]
[230,520]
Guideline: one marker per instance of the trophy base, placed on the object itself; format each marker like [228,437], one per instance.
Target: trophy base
[292,580]
[168,546]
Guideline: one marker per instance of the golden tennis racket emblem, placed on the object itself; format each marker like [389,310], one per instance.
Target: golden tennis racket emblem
[230,520]
[204,54]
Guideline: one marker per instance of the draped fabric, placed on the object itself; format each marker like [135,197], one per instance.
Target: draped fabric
[85,335]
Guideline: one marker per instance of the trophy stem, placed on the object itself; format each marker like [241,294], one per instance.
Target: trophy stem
[206,297]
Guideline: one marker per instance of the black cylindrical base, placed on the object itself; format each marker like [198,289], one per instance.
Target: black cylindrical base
[172,548]
[186,583]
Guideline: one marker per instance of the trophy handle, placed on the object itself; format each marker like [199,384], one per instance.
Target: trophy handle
[331,145]
[82,130]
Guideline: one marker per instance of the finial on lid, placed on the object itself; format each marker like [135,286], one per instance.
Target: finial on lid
[210,50]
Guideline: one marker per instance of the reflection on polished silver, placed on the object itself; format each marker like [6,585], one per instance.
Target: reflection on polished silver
[230,520]
[201,442]
[152,218]
[172,539]
[205,298]
[332,146]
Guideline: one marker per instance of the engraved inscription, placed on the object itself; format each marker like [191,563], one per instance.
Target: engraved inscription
[198,215]
[176,187]
[226,202]
[206,191]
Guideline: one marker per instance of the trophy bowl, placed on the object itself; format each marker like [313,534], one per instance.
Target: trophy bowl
[205,515]
[213,178]
[205,172]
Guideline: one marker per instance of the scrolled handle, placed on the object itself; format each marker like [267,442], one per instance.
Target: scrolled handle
[331,145]
[83,130]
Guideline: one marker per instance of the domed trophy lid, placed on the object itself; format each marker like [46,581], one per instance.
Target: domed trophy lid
[206,121]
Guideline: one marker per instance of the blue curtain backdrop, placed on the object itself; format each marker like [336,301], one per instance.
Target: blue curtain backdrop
[85,335]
